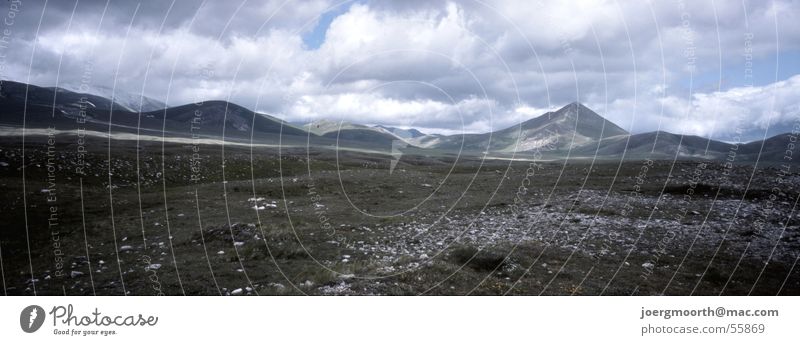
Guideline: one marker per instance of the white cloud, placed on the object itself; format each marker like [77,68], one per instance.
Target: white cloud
[468,115]
[488,66]
[754,111]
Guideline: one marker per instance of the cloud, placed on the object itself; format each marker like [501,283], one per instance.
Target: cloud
[461,116]
[443,65]
[742,113]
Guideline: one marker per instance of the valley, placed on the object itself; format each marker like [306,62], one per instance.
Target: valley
[305,221]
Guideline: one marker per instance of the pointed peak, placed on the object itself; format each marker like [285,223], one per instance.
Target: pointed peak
[574,105]
[575,108]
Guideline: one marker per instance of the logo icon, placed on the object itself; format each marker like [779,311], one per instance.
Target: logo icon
[31,318]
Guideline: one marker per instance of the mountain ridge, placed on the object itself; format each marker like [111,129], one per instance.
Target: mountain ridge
[573,130]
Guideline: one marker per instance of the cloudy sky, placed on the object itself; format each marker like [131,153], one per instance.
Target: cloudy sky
[700,67]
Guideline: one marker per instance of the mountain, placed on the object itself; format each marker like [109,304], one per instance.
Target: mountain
[212,117]
[15,92]
[344,131]
[410,133]
[572,125]
[572,132]
[773,149]
[43,107]
[577,132]
[129,101]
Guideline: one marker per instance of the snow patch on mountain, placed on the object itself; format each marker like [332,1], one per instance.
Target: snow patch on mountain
[130,101]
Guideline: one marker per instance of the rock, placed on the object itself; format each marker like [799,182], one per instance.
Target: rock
[237,292]
[221,252]
[238,244]
[126,248]
[154,266]
[648,265]
[75,274]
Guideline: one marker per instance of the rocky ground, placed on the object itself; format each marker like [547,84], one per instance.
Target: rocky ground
[149,219]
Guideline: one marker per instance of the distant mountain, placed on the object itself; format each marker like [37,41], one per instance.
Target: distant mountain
[572,132]
[64,100]
[130,101]
[212,117]
[344,131]
[66,110]
[402,133]
[572,125]
[771,149]
[655,145]
[577,132]
[42,107]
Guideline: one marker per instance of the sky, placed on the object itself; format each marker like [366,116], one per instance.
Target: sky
[723,69]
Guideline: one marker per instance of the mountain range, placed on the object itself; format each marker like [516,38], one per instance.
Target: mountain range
[130,101]
[572,132]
